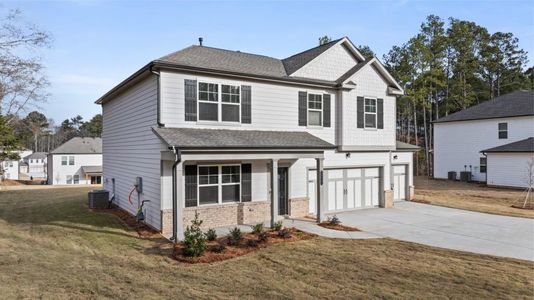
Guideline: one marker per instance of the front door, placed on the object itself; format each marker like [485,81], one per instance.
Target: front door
[283,191]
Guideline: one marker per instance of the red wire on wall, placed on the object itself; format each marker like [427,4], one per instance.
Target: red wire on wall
[130,196]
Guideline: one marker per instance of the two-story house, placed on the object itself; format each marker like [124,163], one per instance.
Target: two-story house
[36,165]
[77,161]
[11,168]
[493,140]
[243,138]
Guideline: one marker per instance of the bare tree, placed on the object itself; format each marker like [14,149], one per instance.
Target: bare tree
[528,202]
[22,82]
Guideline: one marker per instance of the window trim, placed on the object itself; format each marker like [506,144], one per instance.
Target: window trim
[499,130]
[219,103]
[66,160]
[485,165]
[73,160]
[308,109]
[365,113]
[74,179]
[219,183]
[67,179]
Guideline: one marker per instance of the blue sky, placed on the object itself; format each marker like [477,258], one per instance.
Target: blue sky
[96,44]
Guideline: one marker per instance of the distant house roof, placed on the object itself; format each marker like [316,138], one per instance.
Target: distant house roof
[36,155]
[516,104]
[193,138]
[79,145]
[526,145]
[406,147]
[92,169]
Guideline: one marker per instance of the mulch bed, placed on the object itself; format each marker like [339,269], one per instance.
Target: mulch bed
[421,201]
[241,249]
[130,221]
[338,227]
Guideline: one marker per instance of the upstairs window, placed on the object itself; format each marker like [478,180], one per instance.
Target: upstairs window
[503,130]
[483,164]
[370,113]
[315,110]
[230,103]
[218,103]
[208,98]
[71,160]
[64,160]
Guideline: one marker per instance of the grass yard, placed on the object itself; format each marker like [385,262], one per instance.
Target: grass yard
[471,196]
[51,246]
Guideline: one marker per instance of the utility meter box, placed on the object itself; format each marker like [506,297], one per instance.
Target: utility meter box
[138,184]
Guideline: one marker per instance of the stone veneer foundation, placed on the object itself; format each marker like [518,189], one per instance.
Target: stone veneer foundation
[412,193]
[232,214]
[388,199]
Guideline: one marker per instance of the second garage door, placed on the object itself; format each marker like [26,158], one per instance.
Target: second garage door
[347,189]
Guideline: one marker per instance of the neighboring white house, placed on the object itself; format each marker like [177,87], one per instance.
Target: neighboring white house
[11,167]
[471,140]
[243,138]
[36,165]
[77,161]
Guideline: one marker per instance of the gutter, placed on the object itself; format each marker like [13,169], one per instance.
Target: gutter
[177,160]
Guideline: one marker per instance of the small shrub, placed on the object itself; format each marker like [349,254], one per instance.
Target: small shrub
[263,237]
[211,235]
[334,220]
[252,243]
[258,228]
[284,233]
[194,240]
[278,226]
[235,236]
[219,248]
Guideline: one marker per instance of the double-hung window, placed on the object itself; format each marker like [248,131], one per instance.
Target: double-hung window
[219,103]
[315,110]
[76,179]
[503,130]
[71,160]
[483,164]
[219,184]
[64,160]
[69,179]
[208,101]
[370,113]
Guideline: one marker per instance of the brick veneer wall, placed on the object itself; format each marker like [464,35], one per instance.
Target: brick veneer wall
[412,193]
[388,199]
[299,207]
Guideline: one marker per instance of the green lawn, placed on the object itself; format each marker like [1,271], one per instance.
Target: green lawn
[51,246]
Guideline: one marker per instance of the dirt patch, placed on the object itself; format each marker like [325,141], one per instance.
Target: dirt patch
[244,247]
[338,227]
[9,182]
[421,201]
[130,221]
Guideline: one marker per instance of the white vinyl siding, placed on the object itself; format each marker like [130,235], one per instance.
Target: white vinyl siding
[131,149]
[58,171]
[508,169]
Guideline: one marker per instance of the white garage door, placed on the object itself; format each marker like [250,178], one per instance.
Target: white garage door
[347,189]
[399,183]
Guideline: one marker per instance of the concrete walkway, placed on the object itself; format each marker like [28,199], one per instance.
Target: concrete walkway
[447,228]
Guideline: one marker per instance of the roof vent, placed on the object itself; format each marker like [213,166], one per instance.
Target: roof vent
[200,40]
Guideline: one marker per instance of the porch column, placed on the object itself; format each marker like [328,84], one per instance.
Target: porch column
[319,186]
[274,191]
[179,220]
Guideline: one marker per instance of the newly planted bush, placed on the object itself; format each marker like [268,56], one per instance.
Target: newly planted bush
[235,236]
[334,220]
[211,235]
[252,243]
[258,228]
[278,226]
[263,237]
[220,247]
[284,233]
[194,240]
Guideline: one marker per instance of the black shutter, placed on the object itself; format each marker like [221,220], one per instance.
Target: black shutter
[359,112]
[246,104]
[190,186]
[246,182]
[303,109]
[326,110]
[380,113]
[190,92]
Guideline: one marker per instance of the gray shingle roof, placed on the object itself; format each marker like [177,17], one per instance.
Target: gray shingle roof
[405,146]
[526,145]
[36,155]
[520,103]
[92,169]
[193,138]
[78,145]
[297,61]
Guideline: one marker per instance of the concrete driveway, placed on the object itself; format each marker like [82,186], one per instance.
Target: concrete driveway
[448,228]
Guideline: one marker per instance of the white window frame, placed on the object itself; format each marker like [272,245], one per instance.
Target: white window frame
[499,130]
[73,160]
[219,184]
[71,179]
[66,160]
[365,113]
[308,109]
[485,165]
[74,180]
[218,102]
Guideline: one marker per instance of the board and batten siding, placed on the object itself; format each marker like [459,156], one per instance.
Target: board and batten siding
[368,84]
[330,65]
[131,149]
[458,144]
[274,106]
